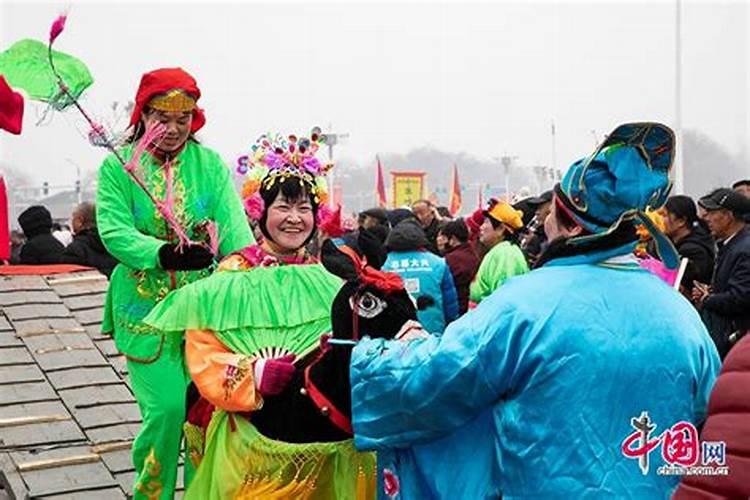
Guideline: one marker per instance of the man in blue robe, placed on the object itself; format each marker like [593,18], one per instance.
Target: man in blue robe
[537,391]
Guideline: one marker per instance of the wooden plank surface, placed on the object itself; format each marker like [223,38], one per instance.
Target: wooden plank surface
[86,397]
[82,288]
[126,480]
[90,301]
[76,277]
[64,360]
[26,392]
[121,432]
[9,339]
[5,326]
[36,311]
[63,478]
[15,356]
[95,331]
[107,347]
[64,431]
[119,460]
[120,363]
[99,494]
[31,326]
[52,341]
[25,298]
[69,479]
[42,408]
[89,316]
[111,414]
[20,373]
[83,376]
[52,463]
[12,477]
[27,283]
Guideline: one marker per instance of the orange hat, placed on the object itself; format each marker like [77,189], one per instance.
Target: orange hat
[503,212]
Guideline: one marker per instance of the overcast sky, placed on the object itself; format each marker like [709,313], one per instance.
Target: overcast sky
[486,79]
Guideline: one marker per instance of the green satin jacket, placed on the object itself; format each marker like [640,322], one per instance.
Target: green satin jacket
[133,231]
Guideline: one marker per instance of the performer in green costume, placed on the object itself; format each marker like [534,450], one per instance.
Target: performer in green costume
[197,188]
[245,325]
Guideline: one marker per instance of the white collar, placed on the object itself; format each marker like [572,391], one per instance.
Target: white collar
[727,240]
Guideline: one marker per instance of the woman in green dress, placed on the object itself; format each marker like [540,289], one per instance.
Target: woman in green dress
[153,263]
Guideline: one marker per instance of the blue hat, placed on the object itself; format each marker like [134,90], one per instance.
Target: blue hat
[627,174]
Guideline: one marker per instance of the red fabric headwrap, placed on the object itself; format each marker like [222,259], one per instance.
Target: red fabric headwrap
[384,281]
[11,108]
[163,80]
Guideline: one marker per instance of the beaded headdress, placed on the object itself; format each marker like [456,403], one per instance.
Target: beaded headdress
[175,100]
[275,158]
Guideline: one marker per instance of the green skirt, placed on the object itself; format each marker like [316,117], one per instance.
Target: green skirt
[241,463]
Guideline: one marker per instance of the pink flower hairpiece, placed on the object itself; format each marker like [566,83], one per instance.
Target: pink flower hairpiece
[254,206]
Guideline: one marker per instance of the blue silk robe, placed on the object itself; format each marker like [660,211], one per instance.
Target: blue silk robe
[533,392]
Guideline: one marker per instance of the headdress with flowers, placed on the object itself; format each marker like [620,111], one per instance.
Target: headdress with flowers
[275,158]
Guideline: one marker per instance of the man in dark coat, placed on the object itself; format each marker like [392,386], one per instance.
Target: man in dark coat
[726,303]
[373,217]
[462,260]
[41,247]
[743,187]
[426,213]
[533,238]
[87,248]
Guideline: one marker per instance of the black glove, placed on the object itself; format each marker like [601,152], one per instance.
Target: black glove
[190,257]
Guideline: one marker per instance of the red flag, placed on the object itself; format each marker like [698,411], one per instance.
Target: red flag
[480,198]
[11,108]
[4,229]
[380,186]
[455,200]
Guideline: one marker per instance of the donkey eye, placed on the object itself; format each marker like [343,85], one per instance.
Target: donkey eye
[367,305]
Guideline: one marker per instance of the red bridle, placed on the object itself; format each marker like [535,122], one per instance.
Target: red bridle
[384,281]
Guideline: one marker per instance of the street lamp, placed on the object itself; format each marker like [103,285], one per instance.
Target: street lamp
[506,161]
[331,139]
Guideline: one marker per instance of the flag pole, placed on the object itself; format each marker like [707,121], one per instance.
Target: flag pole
[679,163]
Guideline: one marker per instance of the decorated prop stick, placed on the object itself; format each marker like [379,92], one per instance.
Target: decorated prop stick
[152,135]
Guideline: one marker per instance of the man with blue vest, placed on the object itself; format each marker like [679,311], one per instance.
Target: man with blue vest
[426,276]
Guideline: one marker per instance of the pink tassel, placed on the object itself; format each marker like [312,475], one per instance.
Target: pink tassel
[213,237]
[166,208]
[151,135]
[57,27]
[173,223]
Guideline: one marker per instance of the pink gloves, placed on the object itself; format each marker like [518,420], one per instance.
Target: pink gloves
[273,375]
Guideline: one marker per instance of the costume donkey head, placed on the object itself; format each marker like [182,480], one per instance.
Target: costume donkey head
[371,302]
[316,406]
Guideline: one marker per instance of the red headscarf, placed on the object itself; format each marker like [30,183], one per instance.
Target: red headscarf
[11,108]
[161,81]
